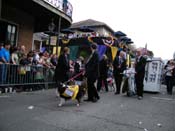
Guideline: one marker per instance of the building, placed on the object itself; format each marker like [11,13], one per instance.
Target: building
[21,19]
[84,33]
[100,28]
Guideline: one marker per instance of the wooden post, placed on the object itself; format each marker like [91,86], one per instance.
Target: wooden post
[59,26]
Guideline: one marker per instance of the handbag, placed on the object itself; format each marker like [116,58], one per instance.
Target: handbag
[22,70]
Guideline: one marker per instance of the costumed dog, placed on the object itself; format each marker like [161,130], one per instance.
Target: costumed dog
[71,92]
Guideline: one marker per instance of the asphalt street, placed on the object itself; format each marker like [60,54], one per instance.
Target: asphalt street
[39,111]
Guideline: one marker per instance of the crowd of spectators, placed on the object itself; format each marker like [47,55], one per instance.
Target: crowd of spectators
[18,56]
[13,59]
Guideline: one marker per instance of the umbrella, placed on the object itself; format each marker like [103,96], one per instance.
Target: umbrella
[129,42]
[125,40]
[85,29]
[67,31]
[119,34]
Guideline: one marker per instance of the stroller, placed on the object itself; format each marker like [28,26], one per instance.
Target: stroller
[128,83]
[110,80]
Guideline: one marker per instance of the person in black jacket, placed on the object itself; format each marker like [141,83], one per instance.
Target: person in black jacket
[119,65]
[140,64]
[103,72]
[62,67]
[91,72]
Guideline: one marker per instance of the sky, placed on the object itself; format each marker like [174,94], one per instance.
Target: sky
[144,21]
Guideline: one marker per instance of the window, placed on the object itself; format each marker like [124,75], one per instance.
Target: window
[11,33]
[8,32]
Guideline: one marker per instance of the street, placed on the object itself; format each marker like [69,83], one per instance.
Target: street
[39,111]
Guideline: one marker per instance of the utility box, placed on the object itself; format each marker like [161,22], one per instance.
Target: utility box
[153,74]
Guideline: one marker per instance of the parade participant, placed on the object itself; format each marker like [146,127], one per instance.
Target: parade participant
[91,73]
[140,64]
[103,74]
[119,65]
[62,68]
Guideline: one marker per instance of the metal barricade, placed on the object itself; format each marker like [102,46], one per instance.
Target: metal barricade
[14,75]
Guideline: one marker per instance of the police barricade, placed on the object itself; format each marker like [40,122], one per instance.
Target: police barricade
[27,76]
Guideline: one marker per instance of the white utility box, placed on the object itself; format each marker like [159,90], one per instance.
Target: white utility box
[153,73]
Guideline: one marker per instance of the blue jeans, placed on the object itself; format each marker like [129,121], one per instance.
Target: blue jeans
[3,73]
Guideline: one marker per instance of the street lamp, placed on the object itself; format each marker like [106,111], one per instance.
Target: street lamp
[51,28]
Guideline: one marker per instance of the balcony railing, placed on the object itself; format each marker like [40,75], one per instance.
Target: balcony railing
[61,5]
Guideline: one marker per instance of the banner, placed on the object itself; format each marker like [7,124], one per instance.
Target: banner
[53,40]
[114,52]
[101,50]
[58,50]
[73,52]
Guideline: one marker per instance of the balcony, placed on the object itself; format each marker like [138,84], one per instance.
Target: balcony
[42,11]
[65,7]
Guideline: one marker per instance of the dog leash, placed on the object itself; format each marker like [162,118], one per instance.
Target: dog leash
[72,78]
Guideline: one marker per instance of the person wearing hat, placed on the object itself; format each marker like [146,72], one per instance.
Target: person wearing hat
[140,64]
[91,72]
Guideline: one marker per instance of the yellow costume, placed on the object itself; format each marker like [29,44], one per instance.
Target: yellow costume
[71,91]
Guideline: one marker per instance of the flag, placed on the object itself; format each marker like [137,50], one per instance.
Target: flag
[101,50]
[58,50]
[114,51]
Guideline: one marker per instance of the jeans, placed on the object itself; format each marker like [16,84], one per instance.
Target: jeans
[3,73]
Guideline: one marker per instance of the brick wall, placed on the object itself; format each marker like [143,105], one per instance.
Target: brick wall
[24,22]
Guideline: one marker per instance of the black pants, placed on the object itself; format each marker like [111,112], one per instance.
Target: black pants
[92,91]
[169,83]
[99,83]
[139,84]
[118,81]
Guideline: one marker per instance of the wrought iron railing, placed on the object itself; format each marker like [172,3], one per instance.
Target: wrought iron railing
[62,5]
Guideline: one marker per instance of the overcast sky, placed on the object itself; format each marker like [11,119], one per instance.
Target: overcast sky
[144,21]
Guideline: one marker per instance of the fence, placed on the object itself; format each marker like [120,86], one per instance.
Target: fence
[19,75]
